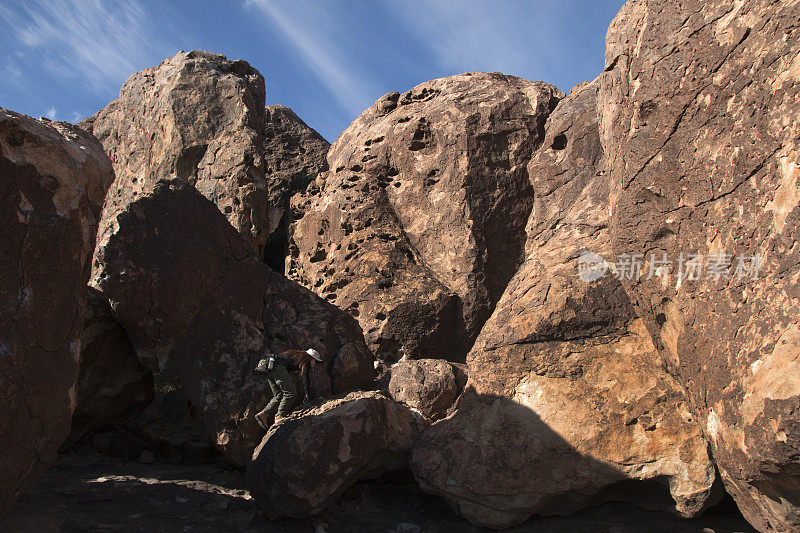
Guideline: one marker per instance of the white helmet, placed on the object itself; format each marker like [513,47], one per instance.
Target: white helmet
[315,354]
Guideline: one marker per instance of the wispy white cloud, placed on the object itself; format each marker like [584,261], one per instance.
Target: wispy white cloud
[308,27]
[51,113]
[99,42]
[465,35]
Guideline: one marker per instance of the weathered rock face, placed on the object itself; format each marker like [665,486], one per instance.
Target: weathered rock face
[52,181]
[428,385]
[305,463]
[419,223]
[113,386]
[567,396]
[699,106]
[199,117]
[293,156]
[201,306]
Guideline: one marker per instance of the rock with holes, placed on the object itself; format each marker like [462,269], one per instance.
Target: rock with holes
[113,386]
[200,117]
[419,222]
[306,462]
[567,402]
[202,307]
[53,178]
[699,106]
[428,385]
[293,156]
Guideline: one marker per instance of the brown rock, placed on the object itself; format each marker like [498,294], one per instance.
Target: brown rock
[306,462]
[419,223]
[293,156]
[429,386]
[201,306]
[567,397]
[53,177]
[699,106]
[113,386]
[199,117]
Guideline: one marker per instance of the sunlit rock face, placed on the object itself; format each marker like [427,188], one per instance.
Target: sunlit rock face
[698,111]
[418,224]
[567,398]
[53,178]
[201,117]
[306,462]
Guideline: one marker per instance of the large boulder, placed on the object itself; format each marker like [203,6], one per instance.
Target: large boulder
[200,306]
[418,224]
[306,462]
[53,178]
[113,386]
[201,117]
[699,106]
[293,156]
[567,400]
[429,386]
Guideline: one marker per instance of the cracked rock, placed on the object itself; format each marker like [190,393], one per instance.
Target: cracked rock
[698,108]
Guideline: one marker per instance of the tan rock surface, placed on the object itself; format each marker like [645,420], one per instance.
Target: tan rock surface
[306,462]
[699,106]
[429,386]
[201,117]
[419,223]
[53,177]
[567,398]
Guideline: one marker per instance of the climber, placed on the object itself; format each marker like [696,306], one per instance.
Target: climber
[277,368]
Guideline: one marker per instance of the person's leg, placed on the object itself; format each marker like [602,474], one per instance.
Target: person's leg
[288,393]
[273,405]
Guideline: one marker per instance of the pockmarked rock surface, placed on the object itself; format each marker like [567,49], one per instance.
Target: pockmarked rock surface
[53,178]
[113,386]
[698,107]
[429,386]
[306,462]
[293,156]
[418,224]
[201,117]
[200,306]
[567,400]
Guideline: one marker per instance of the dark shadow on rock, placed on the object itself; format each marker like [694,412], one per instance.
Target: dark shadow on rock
[497,463]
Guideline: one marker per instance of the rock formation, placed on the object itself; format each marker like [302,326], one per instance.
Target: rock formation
[429,386]
[113,386]
[305,463]
[200,117]
[698,110]
[567,399]
[293,156]
[200,306]
[53,178]
[418,224]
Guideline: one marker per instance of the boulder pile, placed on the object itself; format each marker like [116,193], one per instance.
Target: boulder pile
[569,298]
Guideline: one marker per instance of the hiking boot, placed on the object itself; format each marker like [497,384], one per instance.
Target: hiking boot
[261,418]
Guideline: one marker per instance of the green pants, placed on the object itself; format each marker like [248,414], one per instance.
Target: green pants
[283,392]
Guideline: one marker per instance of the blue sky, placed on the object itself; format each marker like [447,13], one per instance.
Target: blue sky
[326,59]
